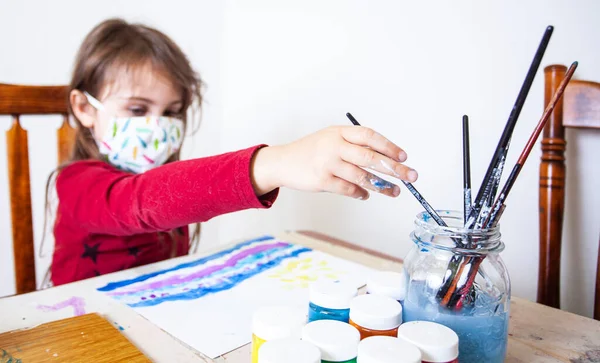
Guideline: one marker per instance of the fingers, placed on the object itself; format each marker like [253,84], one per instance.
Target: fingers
[364,136]
[364,179]
[368,158]
[344,187]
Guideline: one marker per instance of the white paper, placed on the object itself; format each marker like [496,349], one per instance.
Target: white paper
[208,304]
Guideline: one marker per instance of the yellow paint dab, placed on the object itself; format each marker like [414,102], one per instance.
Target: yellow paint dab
[135,152]
[292,265]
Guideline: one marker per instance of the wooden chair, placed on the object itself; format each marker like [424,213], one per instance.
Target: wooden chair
[29,100]
[579,108]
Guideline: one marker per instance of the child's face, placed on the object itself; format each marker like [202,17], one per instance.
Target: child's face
[143,92]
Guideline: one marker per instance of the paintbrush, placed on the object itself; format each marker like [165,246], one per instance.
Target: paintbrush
[492,219]
[455,261]
[452,299]
[436,217]
[490,182]
[466,169]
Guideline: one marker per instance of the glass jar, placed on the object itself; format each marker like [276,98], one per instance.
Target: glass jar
[455,277]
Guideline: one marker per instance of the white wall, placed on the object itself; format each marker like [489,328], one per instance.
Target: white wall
[279,70]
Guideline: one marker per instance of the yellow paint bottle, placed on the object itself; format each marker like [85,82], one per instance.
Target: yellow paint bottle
[276,322]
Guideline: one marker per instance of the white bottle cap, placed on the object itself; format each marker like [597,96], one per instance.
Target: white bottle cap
[380,349]
[387,283]
[376,312]
[278,322]
[288,351]
[437,342]
[337,341]
[332,295]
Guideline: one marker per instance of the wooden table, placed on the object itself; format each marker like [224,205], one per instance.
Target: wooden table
[537,333]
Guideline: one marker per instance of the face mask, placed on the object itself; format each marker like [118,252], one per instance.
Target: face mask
[138,144]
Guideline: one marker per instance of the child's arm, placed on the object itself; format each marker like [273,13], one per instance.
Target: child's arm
[103,199]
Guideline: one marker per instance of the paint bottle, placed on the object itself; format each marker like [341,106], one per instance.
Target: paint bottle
[381,349]
[375,315]
[330,300]
[276,322]
[438,343]
[337,341]
[288,351]
[387,283]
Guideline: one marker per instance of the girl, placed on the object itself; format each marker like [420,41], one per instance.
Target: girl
[126,200]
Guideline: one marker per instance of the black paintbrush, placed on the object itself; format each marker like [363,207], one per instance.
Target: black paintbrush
[492,176]
[466,168]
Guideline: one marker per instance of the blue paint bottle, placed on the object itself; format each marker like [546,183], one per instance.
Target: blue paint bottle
[331,300]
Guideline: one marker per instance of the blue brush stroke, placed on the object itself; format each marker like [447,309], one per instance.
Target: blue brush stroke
[126,125]
[144,144]
[116,285]
[380,183]
[227,284]
[218,274]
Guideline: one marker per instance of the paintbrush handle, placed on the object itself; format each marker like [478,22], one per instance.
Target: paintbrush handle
[436,217]
[352,119]
[502,149]
[466,169]
[493,217]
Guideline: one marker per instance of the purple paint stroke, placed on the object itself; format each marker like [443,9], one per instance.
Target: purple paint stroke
[76,302]
[178,279]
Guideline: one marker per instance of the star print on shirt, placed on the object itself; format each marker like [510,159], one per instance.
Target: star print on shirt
[133,251]
[90,251]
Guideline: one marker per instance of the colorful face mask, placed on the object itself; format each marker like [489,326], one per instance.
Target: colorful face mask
[138,144]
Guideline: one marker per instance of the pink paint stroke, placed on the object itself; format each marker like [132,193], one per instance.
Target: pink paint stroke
[77,303]
[179,279]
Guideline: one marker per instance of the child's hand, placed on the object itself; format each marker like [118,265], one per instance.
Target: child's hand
[331,160]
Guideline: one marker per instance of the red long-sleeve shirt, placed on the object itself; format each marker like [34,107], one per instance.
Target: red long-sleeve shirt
[109,220]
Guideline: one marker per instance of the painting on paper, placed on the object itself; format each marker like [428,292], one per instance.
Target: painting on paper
[208,303]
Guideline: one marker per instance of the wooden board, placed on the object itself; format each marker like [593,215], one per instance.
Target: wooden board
[85,338]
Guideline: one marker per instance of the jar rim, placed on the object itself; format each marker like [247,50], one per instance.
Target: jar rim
[488,239]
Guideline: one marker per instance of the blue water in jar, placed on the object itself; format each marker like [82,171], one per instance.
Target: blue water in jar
[482,329]
[316,312]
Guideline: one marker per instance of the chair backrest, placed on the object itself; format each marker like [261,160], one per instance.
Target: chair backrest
[15,101]
[579,108]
